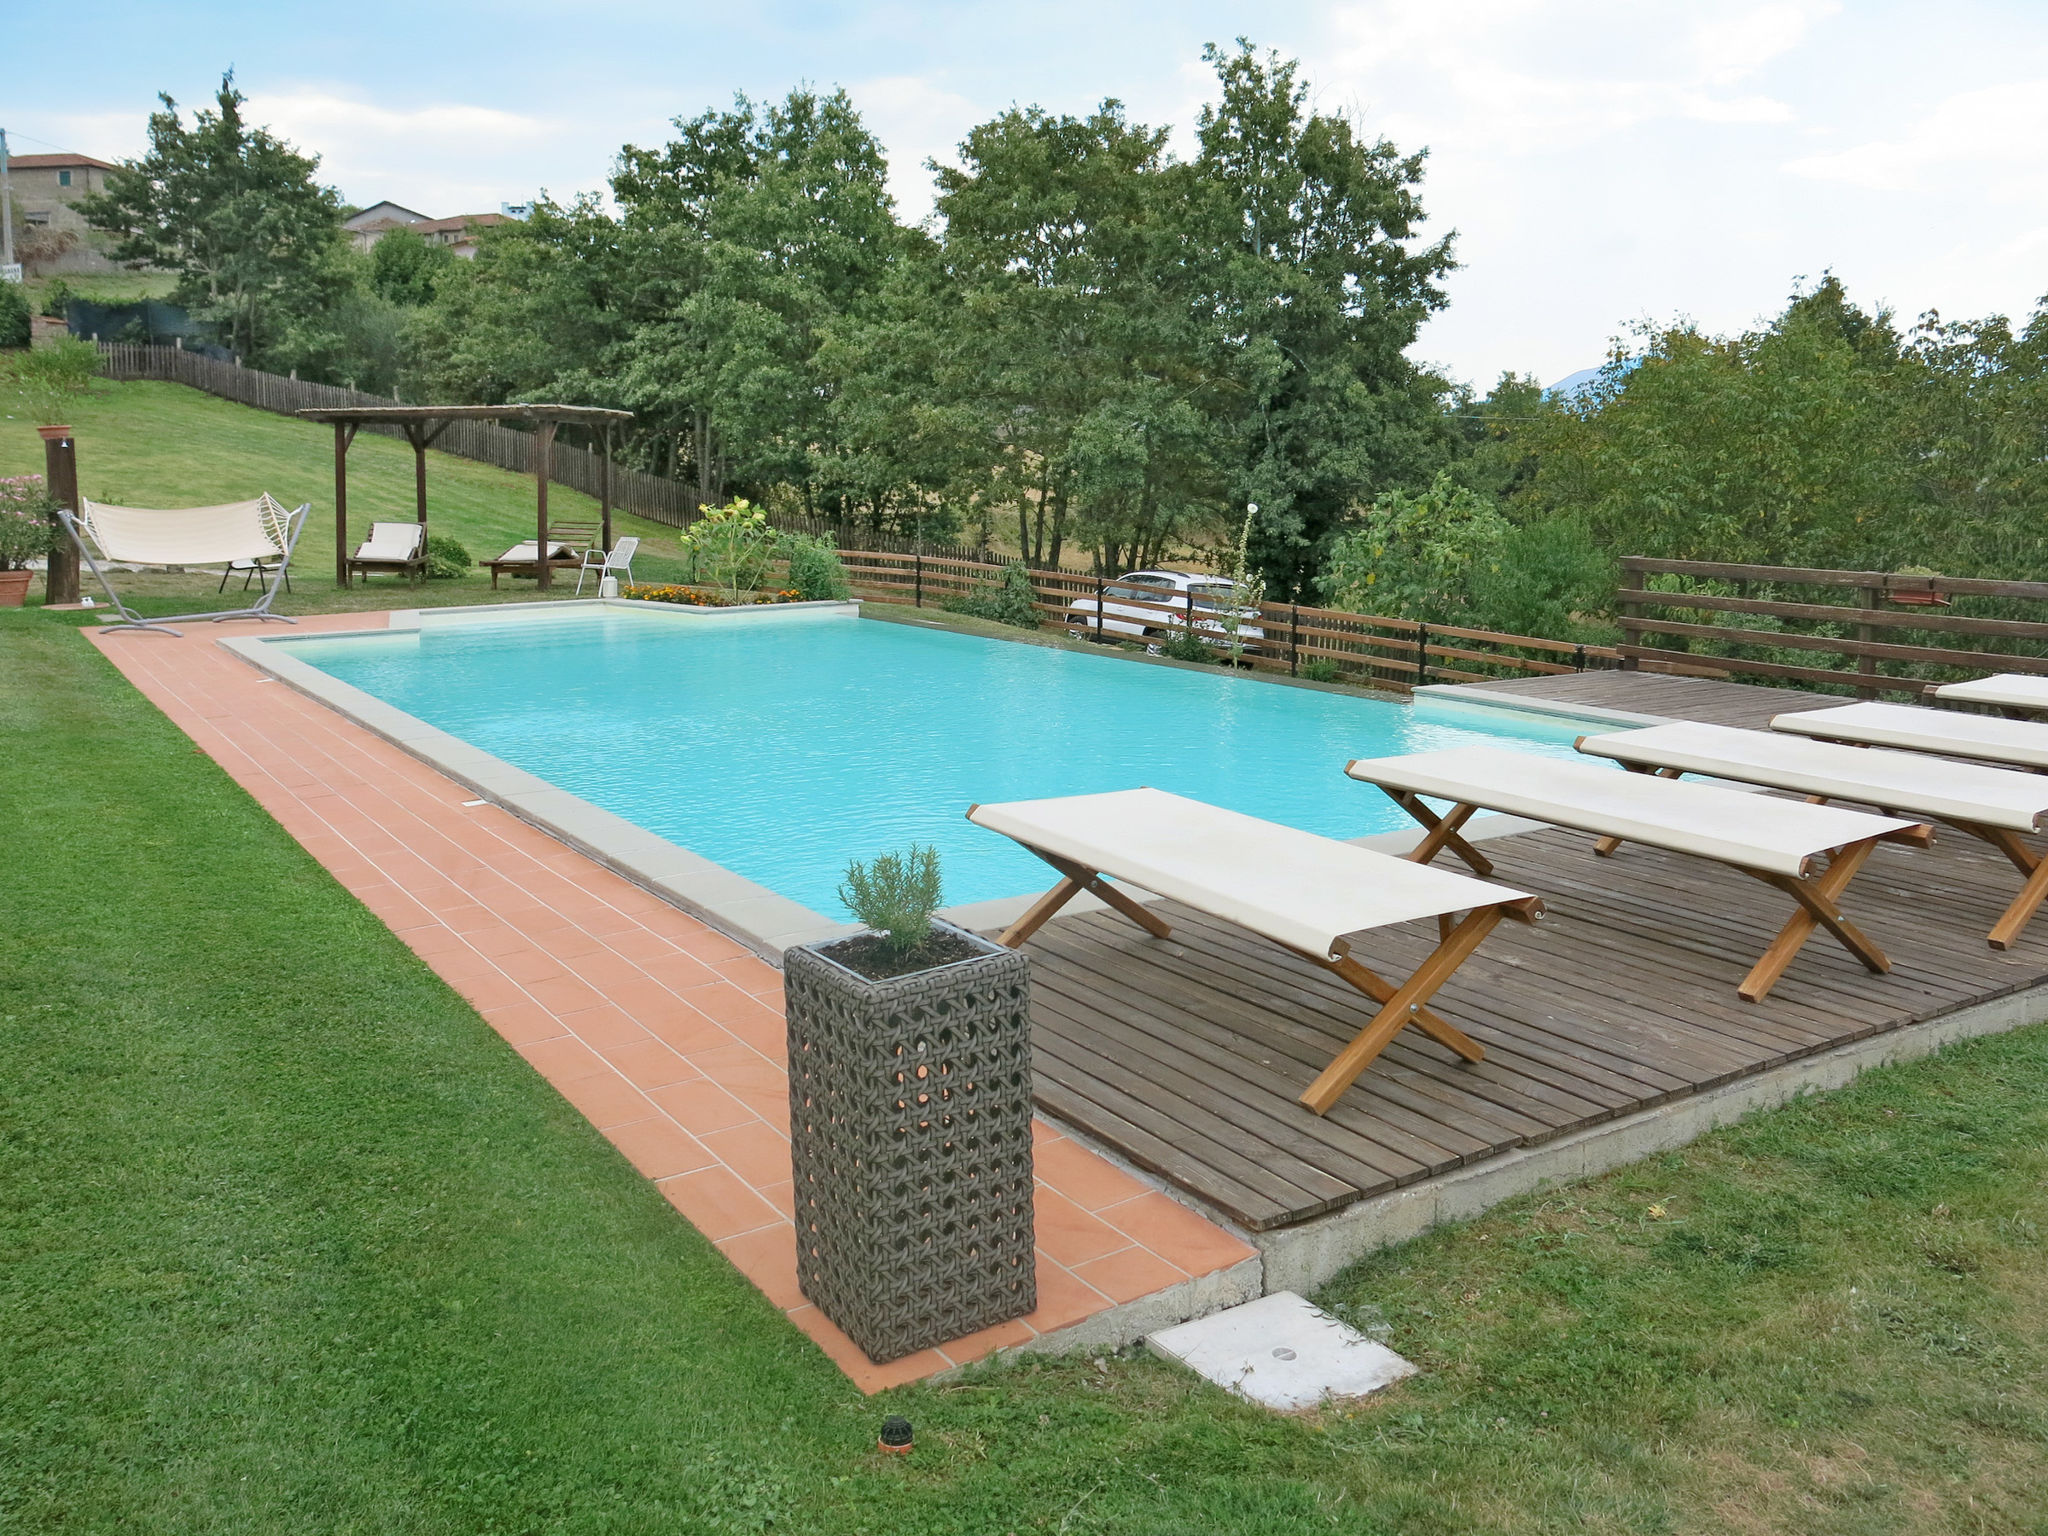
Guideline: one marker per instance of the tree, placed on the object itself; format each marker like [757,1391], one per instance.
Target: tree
[1306,228]
[405,270]
[236,213]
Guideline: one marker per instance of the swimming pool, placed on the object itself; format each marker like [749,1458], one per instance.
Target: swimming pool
[782,750]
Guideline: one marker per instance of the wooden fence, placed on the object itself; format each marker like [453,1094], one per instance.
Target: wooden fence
[579,468]
[1846,629]
[1396,653]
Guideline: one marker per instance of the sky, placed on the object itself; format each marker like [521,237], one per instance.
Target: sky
[1603,163]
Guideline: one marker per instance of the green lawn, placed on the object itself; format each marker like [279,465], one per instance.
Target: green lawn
[290,1241]
[164,445]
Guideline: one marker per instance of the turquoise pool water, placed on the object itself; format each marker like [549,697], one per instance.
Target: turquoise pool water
[784,749]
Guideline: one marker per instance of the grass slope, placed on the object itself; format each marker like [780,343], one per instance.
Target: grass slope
[165,445]
[289,1240]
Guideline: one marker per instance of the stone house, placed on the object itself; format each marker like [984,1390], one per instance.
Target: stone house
[51,235]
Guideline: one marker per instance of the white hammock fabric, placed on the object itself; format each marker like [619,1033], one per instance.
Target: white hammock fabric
[235,530]
[255,532]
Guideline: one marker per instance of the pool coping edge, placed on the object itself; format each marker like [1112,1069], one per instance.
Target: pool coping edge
[764,921]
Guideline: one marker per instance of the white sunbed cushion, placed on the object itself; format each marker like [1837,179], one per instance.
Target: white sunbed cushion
[1898,781]
[1732,825]
[530,551]
[2020,742]
[1294,887]
[391,541]
[2011,690]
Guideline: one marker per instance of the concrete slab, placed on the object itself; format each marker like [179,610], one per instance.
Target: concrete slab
[1281,1352]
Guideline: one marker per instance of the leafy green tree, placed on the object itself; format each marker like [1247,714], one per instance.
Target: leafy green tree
[1317,286]
[1417,556]
[236,213]
[405,270]
[14,316]
[745,240]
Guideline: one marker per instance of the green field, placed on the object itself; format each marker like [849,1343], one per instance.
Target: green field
[290,1240]
[164,445]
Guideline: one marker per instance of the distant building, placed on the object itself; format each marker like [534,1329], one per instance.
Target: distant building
[52,235]
[365,229]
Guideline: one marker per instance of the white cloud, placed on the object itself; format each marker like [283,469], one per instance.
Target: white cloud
[1994,139]
[444,158]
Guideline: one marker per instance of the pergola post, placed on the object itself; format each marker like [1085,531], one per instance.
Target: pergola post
[604,489]
[543,457]
[418,439]
[344,434]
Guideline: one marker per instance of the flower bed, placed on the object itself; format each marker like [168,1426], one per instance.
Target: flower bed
[694,597]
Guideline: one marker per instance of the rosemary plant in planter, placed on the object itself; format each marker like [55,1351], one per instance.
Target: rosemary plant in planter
[910,1118]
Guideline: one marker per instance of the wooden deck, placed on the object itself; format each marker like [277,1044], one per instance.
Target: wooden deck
[1186,1055]
[1657,693]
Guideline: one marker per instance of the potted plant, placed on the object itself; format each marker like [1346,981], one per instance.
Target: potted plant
[910,1118]
[27,529]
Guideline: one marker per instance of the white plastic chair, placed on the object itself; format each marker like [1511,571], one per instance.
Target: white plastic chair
[620,559]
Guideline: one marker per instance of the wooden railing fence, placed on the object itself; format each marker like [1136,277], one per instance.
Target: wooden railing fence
[1877,602]
[1388,652]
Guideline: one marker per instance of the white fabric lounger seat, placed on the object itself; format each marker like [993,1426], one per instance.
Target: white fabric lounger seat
[1810,852]
[2007,690]
[1949,732]
[1995,804]
[247,531]
[392,547]
[1307,893]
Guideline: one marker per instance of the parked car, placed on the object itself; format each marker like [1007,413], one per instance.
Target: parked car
[1152,607]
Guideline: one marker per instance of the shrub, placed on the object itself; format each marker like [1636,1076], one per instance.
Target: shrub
[14,316]
[1187,646]
[731,547]
[1416,556]
[895,896]
[1320,669]
[1543,580]
[815,571]
[50,378]
[26,529]
[447,559]
[1007,601]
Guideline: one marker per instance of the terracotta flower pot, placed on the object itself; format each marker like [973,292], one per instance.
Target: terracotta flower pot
[14,587]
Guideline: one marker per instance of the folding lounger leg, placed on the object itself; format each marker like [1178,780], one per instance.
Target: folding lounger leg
[1400,1009]
[1605,846]
[2013,921]
[1442,832]
[1074,880]
[1818,908]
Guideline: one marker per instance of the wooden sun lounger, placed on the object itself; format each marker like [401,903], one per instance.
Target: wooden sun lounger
[566,544]
[1995,804]
[2018,694]
[1306,893]
[1810,852]
[399,548]
[1944,732]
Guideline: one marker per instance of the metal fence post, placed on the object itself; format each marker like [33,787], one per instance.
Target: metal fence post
[1578,658]
[1421,654]
[1098,610]
[1293,638]
[920,580]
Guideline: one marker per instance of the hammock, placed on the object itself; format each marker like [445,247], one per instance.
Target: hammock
[258,531]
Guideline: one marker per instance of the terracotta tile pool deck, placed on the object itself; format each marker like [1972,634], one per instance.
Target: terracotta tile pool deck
[665,1034]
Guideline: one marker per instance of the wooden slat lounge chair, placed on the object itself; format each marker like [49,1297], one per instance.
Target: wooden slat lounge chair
[1810,852]
[1995,804]
[235,531]
[2016,693]
[1944,732]
[400,548]
[566,544]
[1306,893]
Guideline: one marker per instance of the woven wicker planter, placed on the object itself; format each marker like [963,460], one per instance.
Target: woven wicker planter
[910,1142]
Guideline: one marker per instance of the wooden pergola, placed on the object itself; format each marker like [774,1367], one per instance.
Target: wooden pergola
[421,424]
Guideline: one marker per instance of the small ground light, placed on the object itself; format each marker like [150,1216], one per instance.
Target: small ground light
[895,1435]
